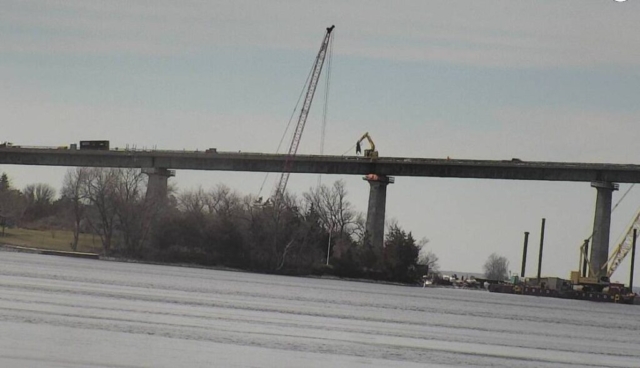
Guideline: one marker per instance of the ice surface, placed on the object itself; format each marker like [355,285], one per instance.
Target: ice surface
[65,312]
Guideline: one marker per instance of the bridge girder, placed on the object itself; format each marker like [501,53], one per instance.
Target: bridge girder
[347,165]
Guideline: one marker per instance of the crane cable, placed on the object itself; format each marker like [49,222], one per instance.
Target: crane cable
[621,198]
[350,149]
[295,108]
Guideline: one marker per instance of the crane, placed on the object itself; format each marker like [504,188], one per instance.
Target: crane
[620,252]
[304,112]
[624,247]
[371,152]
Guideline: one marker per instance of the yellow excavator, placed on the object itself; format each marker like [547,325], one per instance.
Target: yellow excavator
[371,152]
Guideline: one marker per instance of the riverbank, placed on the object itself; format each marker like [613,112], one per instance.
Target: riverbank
[22,249]
[58,242]
[49,252]
[55,240]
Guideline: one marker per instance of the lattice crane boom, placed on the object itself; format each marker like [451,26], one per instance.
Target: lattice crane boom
[624,247]
[304,112]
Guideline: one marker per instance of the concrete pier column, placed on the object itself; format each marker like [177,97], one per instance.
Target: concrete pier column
[601,226]
[157,185]
[376,209]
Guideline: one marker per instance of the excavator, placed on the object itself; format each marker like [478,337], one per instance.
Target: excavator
[371,152]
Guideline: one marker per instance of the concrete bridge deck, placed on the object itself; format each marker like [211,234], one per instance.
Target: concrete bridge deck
[349,165]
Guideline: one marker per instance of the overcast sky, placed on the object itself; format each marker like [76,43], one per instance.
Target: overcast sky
[538,80]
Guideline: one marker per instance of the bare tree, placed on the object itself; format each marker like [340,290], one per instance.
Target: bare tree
[496,267]
[118,208]
[72,190]
[426,257]
[99,189]
[193,206]
[359,228]
[283,218]
[335,211]
[193,202]
[39,193]
[272,230]
[223,201]
[12,207]
[39,198]
[134,213]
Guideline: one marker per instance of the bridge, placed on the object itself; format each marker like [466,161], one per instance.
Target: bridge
[159,165]
[514,169]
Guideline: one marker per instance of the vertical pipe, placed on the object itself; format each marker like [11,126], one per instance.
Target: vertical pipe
[633,259]
[329,246]
[524,253]
[580,258]
[541,246]
[585,258]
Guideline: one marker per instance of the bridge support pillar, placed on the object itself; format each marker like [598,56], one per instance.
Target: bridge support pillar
[601,226]
[157,185]
[376,210]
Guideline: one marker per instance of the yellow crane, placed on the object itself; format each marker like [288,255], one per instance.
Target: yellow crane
[615,259]
[371,152]
[621,251]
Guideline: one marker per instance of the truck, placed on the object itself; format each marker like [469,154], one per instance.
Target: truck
[94,145]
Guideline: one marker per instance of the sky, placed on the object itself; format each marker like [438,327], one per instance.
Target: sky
[538,80]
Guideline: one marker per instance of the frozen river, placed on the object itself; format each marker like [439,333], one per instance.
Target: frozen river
[63,312]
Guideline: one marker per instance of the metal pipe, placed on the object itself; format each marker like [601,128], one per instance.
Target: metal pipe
[585,258]
[633,259]
[524,253]
[541,246]
[329,245]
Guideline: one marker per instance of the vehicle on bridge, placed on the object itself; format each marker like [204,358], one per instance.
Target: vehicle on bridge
[94,145]
[371,152]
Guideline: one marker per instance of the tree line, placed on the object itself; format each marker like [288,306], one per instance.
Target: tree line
[318,232]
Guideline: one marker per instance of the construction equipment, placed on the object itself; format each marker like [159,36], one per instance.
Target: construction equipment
[621,251]
[304,112]
[371,152]
[94,145]
[615,259]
